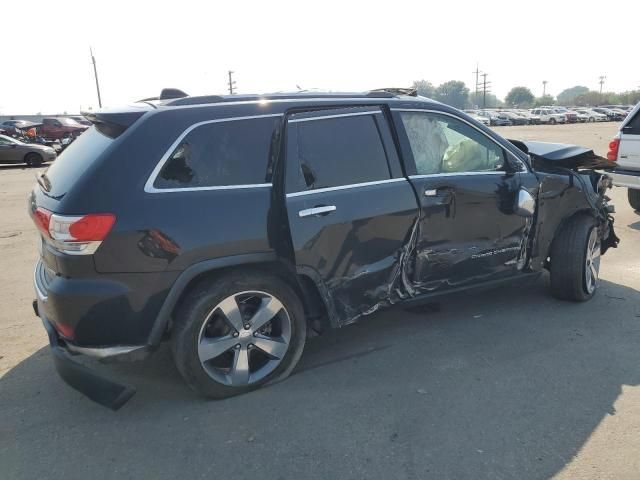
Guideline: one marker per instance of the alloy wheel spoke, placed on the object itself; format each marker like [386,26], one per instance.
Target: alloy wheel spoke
[210,348]
[274,348]
[269,309]
[240,369]
[594,273]
[231,311]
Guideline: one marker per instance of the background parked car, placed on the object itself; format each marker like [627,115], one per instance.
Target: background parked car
[59,128]
[80,119]
[33,154]
[533,119]
[514,118]
[570,115]
[611,115]
[495,120]
[476,116]
[592,115]
[11,126]
[549,116]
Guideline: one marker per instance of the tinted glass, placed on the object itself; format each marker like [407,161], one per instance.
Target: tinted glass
[221,154]
[75,160]
[340,151]
[442,144]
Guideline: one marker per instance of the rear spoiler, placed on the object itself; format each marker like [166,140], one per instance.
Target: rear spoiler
[113,124]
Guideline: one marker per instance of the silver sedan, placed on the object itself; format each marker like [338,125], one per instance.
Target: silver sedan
[33,154]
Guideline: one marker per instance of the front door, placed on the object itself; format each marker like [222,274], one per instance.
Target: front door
[9,151]
[467,185]
[351,212]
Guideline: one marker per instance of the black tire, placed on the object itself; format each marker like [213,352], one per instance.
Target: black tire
[569,260]
[552,121]
[634,199]
[33,159]
[194,312]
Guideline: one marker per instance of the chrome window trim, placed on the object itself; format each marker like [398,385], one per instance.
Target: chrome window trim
[455,174]
[148,186]
[507,149]
[324,117]
[345,187]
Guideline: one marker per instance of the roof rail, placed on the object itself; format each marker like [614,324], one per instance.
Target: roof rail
[411,92]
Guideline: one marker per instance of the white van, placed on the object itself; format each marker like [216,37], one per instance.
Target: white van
[625,150]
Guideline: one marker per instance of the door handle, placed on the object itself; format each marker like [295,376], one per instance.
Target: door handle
[438,192]
[322,210]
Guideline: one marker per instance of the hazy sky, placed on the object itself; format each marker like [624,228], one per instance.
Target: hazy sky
[142,47]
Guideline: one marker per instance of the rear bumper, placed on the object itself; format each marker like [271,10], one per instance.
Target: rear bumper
[626,178]
[86,381]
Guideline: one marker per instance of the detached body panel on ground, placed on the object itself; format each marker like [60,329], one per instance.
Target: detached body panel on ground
[244,222]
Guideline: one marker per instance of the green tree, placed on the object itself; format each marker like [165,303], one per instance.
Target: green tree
[544,100]
[453,92]
[424,88]
[567,96]
[590,98]
[519,97]
[491,100]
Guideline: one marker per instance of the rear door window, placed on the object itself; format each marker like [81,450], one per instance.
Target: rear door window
[220,154]
[338,150]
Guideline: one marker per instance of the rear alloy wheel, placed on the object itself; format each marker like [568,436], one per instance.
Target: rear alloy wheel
[634,199]
[575,260]
[552,121]
[33,160]
[230,339]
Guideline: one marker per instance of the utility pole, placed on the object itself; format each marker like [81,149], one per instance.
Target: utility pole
[544,88]
[232,83]
[95,73]
[477,72]
[485,89]
[601,82]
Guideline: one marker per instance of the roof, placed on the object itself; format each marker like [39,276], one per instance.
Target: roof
[174,97]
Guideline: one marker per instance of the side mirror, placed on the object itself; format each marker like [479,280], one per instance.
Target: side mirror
[525,204]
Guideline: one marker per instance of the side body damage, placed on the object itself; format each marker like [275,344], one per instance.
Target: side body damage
[473,235]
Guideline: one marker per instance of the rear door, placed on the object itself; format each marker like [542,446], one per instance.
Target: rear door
[351,212]
[469,229]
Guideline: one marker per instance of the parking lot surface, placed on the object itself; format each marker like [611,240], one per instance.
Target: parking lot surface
[506,384]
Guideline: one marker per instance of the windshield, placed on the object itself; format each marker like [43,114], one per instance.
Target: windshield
[68,121]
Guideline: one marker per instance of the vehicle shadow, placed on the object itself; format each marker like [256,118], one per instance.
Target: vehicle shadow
[505,384]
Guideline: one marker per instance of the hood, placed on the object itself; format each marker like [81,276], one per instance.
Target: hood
[552,155]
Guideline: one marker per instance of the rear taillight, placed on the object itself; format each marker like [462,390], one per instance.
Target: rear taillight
[75,235]
[614,146]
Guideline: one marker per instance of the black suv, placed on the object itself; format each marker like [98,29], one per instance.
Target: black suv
[234,227]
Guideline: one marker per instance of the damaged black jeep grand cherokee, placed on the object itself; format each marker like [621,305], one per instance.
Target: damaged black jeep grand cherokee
[235,227]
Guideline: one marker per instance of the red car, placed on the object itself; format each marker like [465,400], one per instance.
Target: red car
[59,128]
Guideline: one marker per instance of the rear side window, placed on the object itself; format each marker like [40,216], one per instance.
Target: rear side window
[228,153]
[338,151]
[633,125]
[75,160]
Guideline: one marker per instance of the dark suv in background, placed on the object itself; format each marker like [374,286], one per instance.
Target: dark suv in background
[234,227]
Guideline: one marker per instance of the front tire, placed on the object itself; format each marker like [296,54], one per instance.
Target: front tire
[552,121]
[238,333]
[634,199]
[575,260]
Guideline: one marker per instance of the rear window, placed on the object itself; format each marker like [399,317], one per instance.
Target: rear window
[230,153]
[75,160]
